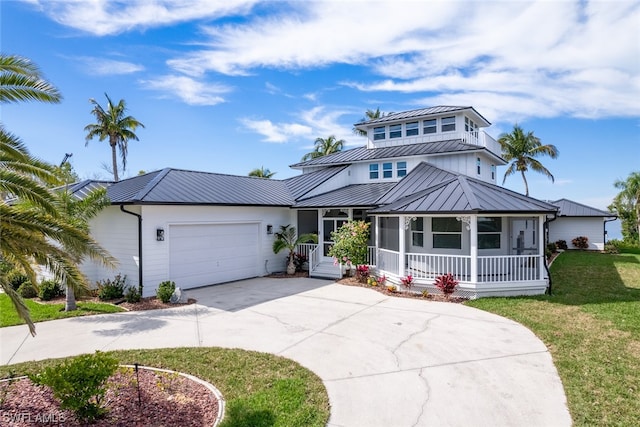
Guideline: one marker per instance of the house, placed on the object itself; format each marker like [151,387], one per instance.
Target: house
[575,219]
[426,180]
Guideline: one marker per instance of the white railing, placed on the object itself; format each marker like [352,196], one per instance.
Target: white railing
[314,258]
[479,138]
[509,268]
[305,248]
[427,266]
[388,261]
[371,255]
[489,143]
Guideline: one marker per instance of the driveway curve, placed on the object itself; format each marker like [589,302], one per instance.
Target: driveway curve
[385,361]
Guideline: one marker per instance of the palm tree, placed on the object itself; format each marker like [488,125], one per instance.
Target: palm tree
[369,115]
[521,149]
[287,238]
[261,172]
[324,146]
[21,80]
[115,125]
[627,202]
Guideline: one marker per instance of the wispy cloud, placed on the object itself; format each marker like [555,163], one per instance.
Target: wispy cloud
[107,67]
[277,132]
[190,91]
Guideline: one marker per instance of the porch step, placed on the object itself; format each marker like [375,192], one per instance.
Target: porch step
[326,270]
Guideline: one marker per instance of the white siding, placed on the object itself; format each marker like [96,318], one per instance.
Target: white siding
[340,180]
[568,228]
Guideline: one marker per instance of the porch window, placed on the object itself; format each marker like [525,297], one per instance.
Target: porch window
[373,171]
[429,126]
[389,234]
[448,124]
[417,232]
[489,232]
[379,133]
[387,170]
[447,233]
[401,169]
[412,129]
[395,131]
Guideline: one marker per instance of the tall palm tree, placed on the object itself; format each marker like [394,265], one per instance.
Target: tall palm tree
[324,146]
[369,115]
[261,172]
[21,80]
[521,149]
[628,200]
[113,124]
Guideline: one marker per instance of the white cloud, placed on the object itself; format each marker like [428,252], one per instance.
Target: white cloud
[189,90]
[106,67]
[277,132]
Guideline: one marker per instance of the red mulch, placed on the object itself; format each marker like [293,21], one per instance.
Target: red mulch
[352,281]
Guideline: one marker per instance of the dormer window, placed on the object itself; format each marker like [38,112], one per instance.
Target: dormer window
[395,131]
[373,171]
[401,169]
[412,129]
[387,170]
[448,124]
[429,126]
[379,133]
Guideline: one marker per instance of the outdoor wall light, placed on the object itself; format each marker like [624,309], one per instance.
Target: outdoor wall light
[160,235]
[269,229]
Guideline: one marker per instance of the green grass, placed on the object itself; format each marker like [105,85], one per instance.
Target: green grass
[259,389]
[41,312]
[591,325]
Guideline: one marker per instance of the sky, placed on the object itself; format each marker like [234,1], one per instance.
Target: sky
[230,86]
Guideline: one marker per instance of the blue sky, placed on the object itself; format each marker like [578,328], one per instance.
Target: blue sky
[230,86]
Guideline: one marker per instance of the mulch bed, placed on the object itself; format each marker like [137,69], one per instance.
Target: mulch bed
[352,281]
[284,275]
[148,303]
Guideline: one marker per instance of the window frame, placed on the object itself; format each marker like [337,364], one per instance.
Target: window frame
[374,168]
[493,172]
[439,234]
[417,232]
[428,129]
[395,131]
[478,166]
[448,124]
[377,135]
[412,129]
[401,169]
[485,234]
[387,170]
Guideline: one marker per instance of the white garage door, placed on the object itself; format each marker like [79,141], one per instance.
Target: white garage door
[206,254]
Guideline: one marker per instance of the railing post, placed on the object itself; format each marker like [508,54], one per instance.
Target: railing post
[542,250]
[401,245]
[474,248]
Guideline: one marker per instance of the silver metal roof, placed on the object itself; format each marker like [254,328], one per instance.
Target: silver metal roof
[357,195]
[421,177]
[301,184]
[403,115]
[570,208]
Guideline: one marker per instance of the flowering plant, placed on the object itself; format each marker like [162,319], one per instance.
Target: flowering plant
[407,281]
[350,243]
[446,283]
[362,272]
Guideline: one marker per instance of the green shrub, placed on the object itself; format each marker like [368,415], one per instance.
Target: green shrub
[610,248]
[80,383]
[552,247]
[165,290]
[49,289]
[16,279]
[562,244]
[27,290]
[132,295]
[112,289]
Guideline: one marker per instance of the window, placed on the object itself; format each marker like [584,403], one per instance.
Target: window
[379,133]
[470,126]
[417,232]
[373,171]
[448,124]
[429,126]
[493,172]
[489,232]
[478,164]
[447,233]
[395,131]
[401,169]
[387,170]
[412,129]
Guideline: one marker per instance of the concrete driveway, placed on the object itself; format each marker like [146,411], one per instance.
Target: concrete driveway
[385,361]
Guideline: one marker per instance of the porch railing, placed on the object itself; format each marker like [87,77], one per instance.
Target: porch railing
[314,258]
[510,268]
[427,266]
[388,261]
[305,248]
[371,255]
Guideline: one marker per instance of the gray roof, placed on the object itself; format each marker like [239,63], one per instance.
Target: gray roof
[81,189]
[421,177]
[571,208]
[442,109]
[365,154]
[301,184]
[357,195]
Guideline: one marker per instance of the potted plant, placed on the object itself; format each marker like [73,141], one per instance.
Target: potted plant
[287,238]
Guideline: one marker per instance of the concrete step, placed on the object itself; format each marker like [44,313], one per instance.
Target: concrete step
[327,270]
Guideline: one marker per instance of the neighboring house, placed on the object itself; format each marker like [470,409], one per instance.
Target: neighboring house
[575,219]
[426,180]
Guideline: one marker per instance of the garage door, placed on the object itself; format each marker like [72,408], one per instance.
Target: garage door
[206,254]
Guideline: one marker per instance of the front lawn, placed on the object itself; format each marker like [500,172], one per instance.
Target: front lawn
[591,325]
[260,389]
[41,312]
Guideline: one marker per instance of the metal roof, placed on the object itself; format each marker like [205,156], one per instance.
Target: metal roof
[302,184]
[357,195]
[364,154]
[403,115]
[570,208]
[421,177]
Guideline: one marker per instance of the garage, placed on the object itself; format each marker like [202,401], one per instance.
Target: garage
[205,254]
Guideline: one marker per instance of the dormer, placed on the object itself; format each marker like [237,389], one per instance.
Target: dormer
[434,124]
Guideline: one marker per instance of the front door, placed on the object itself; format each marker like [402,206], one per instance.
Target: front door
[331,221]
[524,238]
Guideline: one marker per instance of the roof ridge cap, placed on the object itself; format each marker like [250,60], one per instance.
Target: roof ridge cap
[151,184]
[473,201]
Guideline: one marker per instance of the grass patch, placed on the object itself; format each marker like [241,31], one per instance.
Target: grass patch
[591,325]
[259,389]
[42,312]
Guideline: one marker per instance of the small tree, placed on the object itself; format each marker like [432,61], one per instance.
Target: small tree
[350,245]
[287,238]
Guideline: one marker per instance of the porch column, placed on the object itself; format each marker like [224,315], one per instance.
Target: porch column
[401,245]
[473,231]
[542,246]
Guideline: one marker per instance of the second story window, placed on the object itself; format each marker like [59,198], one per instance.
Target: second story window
[379,133]
[395,131]
[412,129]
[429,126]
[448,124]
[387,170]
[493,172]
[401,169]
[478,164]
[373,171]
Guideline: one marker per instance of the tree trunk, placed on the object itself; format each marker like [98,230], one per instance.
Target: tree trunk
[70,300]
[114,158]
[291,267]
[526,185]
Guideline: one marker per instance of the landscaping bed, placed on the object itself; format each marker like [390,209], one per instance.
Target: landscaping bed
[352,281]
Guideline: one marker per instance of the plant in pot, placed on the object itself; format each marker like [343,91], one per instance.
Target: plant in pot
[287,238]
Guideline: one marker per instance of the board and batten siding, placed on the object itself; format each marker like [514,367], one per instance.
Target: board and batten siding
[568,228]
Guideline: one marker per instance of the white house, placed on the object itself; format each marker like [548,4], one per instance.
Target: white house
[575,219]
[426,180]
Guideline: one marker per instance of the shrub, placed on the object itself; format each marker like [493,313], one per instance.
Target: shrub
[165,290]
[112,289]
[299,260]
[132,295]
[27,290]
[446,283]
[552,247]
[49,289]
[16,279]
[362,273]
[610,248]
[350,243]
[407,282]
[562,244]
[580,242]
[80,383]
[425,293]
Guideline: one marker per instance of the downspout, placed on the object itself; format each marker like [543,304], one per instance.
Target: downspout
[546,267]
[139,246]
[604,226]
